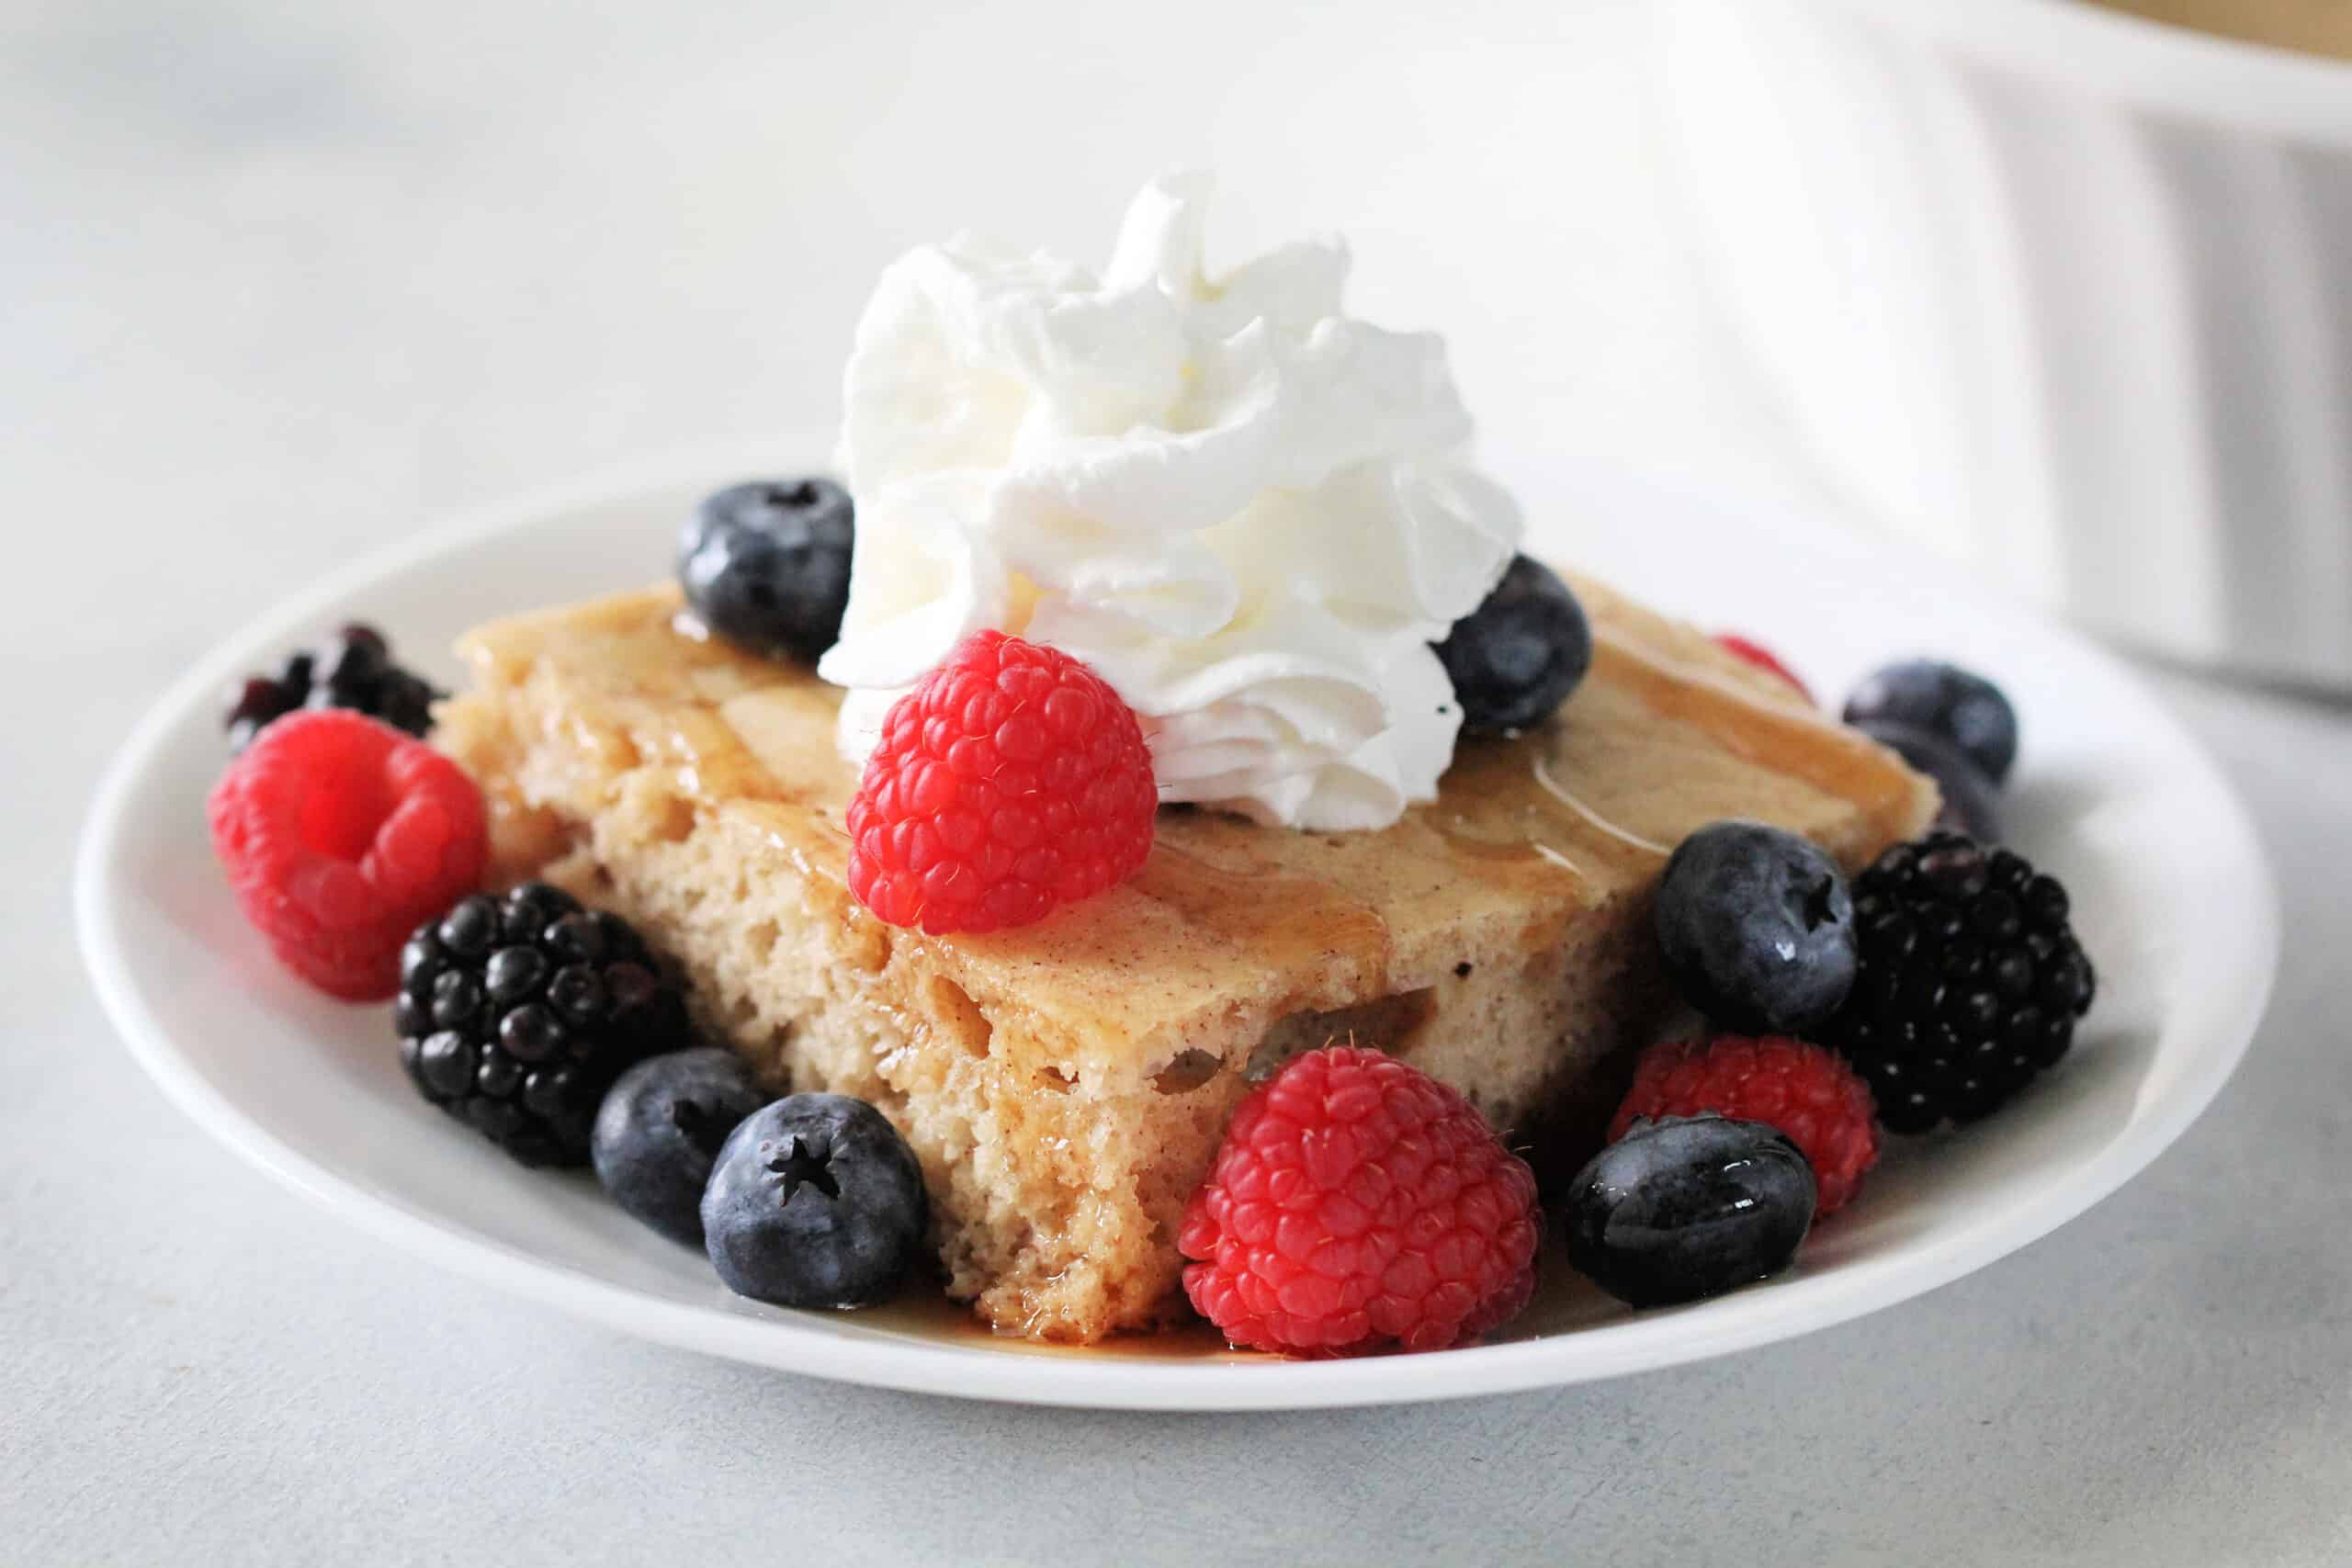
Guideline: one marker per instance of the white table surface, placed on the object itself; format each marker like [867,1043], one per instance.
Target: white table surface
[277,281]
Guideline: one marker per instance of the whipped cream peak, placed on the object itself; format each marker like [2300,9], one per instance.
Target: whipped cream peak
[1248,511]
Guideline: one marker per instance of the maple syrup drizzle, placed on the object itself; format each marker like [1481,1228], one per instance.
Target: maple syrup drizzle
[1502,803]
[1503,800]
[1551,856]
[715,721]
[1540,769]
[816,845]
[712,763]
[1812,748]
[924,1311]
[1300,924]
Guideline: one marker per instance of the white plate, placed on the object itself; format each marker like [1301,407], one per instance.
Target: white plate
[2172,898]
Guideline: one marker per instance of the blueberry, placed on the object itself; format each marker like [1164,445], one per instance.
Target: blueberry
[660,1129]
[766,565]
[1945,700]
[1515,659]
[1757,927]
[816,1201]
[1687,1207]
[1972,806]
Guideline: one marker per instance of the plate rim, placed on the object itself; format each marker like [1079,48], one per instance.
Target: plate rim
[1641,1342]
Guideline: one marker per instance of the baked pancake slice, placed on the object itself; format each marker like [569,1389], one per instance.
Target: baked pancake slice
[1066,1085]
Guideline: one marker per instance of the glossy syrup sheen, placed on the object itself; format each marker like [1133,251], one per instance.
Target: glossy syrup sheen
[1518,798]
[1296,921]
[1796,742]
[1503,800]
[923,1312]
[755,738]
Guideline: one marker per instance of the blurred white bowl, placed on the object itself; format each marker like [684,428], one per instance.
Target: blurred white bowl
[2057,289]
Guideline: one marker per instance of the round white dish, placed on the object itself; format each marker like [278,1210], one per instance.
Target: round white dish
[2172,899]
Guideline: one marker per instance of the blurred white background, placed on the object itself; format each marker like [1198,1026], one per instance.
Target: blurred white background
[280,279]
[337,269]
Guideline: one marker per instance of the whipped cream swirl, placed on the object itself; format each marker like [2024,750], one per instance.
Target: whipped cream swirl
[1248,513]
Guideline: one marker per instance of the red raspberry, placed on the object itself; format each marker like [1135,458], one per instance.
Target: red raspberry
[339,834]
[1011,780]
[1755,653]
[1358,1203]
[1806,1092]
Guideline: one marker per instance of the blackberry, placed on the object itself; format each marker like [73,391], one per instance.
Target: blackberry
[1970,983]
[353,670]
[515,1014]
